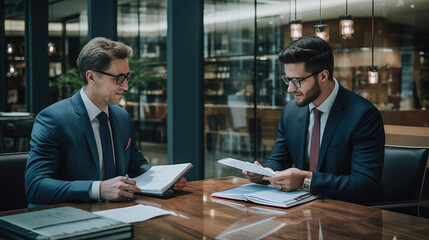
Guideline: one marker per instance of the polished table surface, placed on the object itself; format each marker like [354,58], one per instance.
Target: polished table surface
[205,217]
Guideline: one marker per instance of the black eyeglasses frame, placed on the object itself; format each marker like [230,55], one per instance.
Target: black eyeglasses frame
[296,81]
[120,78]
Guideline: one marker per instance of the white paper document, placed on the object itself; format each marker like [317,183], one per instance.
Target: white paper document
[135,213]
[250,167]
[158,179]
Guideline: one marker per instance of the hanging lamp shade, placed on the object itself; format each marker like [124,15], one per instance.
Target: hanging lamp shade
[373,70]
[322,31]
[373,75]
[346,27]
[295,29]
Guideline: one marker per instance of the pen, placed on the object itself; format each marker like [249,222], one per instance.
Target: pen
[126,176]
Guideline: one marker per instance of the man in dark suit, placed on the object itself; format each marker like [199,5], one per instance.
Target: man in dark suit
[330,140]
[81,148]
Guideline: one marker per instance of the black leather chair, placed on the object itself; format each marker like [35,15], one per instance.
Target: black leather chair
[12,188]
[403,177]
[19,130]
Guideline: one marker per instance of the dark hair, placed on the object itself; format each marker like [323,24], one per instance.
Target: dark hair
[98,53]
[314,51]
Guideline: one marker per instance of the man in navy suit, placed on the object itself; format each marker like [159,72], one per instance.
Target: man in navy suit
[81,148]
[345,159]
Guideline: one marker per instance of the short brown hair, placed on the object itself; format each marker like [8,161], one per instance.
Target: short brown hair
[313,51]
[97,54]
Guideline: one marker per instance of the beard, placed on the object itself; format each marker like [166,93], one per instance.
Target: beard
[310,96]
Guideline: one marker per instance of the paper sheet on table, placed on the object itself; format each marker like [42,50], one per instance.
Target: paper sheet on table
[134,213]
[246,166]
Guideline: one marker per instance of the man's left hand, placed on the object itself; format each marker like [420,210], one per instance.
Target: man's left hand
[287,180]
[179,185]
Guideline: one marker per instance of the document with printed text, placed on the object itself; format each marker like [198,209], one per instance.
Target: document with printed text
[247,166]
[266,195]
[159,179]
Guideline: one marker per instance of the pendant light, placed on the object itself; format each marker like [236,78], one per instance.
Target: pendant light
[321,30]
[346,25]
[11,68]
[373,70]
[51,45]
[10,49]
[295,27]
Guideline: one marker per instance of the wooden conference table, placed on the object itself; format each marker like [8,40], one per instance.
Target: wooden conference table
[204,217]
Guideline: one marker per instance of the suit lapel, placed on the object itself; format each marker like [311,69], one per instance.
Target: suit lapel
[116,133]
[85,124]
[301,117]
[334,118]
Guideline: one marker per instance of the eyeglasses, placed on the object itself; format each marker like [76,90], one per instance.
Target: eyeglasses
[120,78]
[296,81]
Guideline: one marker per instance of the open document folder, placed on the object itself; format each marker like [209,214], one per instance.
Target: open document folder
[266,195]
[159,179]
[247,166]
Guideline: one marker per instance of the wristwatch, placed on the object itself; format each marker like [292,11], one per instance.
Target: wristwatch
[307,181]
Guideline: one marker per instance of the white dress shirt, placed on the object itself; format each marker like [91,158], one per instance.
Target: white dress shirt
[93,112]
[325,109]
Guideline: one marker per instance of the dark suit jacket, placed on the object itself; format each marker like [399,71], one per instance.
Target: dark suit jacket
[351,152]
[63,160]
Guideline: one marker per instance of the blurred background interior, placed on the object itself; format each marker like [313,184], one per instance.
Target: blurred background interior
[243,92]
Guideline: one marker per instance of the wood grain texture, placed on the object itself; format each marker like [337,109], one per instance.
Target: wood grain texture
[204,217]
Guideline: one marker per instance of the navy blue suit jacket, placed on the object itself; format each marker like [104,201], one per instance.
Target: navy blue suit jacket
[63,160]
[351,153]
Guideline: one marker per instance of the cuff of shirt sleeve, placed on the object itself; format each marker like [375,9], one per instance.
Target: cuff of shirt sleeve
[94,191]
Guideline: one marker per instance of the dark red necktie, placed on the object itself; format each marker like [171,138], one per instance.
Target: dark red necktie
[315,141]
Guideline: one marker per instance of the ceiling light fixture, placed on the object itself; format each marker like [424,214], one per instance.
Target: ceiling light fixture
[321,30]
[373,70]
[346,25]
[295,27]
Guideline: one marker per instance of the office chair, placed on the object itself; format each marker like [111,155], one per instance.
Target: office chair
[19,131]
[12,186]
[403,176]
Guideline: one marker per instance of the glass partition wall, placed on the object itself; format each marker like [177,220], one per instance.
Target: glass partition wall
[143,26]
[229,73]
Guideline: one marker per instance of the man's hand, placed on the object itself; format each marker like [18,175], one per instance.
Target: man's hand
[179,185]
[118,189]
[287,180]
[255,177]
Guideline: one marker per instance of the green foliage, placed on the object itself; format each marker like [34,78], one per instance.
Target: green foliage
[149,74]
[66,84]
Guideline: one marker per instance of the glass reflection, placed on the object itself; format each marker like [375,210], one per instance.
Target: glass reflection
[254,227]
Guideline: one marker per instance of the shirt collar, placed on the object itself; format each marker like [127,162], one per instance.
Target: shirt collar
[92,110]
[326,105]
